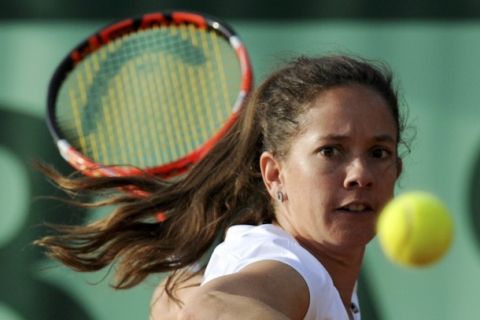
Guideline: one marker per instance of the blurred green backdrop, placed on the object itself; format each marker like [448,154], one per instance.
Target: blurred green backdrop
[434,57]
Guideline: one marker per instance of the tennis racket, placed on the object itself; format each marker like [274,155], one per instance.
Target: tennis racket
[148,95]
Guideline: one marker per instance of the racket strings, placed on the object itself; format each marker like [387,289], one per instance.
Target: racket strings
[150,97]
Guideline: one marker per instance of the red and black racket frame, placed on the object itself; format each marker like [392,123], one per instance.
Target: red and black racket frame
[118,29]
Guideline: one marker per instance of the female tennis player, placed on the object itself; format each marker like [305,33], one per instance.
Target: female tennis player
[289,197]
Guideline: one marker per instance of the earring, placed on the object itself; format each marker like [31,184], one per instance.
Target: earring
[280,196]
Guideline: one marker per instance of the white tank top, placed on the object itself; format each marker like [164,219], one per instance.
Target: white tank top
[245,244]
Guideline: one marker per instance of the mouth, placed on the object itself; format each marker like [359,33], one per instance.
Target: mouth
[356,207]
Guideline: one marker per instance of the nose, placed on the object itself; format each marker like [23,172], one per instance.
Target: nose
[358,175]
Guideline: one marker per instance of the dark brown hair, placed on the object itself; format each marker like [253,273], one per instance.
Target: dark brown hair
[224,189]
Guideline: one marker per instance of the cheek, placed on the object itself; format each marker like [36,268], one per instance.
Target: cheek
[312,191]
[386,184]
[308,176]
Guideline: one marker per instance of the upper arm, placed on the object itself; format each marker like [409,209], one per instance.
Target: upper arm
[266,289]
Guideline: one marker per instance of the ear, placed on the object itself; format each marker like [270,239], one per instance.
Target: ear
[270,168]
[399,167]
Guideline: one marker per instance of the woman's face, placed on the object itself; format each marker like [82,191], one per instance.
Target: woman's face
[340,169]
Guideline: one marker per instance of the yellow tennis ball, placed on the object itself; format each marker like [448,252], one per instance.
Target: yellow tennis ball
[415,229]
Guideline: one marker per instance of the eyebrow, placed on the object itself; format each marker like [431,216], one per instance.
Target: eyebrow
[385,138]
[338,137]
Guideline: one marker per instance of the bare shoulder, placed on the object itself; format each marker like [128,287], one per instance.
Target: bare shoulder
[266,290]
[162,307]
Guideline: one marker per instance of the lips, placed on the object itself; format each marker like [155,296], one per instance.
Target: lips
[356,207]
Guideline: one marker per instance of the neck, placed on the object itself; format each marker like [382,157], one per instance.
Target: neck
[343,267]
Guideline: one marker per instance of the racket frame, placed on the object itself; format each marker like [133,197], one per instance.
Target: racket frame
[121,28]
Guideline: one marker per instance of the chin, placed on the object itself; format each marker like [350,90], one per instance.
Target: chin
[356,239]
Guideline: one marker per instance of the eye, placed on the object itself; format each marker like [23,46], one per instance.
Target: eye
[381,153]
[329,151]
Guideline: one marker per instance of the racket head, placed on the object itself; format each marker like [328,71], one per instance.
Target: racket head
[148,95]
